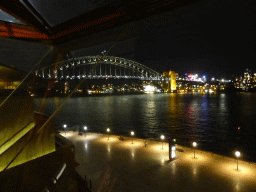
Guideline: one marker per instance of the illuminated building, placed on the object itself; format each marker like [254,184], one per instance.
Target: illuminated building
[247,82]
[194,77]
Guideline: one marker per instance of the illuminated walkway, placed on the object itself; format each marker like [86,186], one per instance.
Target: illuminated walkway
[115,165]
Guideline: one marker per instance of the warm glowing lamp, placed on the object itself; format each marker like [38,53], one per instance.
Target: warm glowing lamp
[65,126]
[237,153]
[172,148]
[108,130]
[132,133]
[162,137]
[85,128]
[194,145]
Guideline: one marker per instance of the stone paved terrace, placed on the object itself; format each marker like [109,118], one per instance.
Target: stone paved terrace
[114,165]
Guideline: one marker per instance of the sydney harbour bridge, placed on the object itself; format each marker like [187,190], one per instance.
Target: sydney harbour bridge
[96,67]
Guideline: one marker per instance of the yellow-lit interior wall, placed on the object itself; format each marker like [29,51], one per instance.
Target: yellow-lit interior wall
[9,84]
[2,84]
[16,128]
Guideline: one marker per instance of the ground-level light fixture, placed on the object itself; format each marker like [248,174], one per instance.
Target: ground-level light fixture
[172,148]
[108,130]
[132,133]
[162,137]
[65,126]
[194,145]
[237,153]
[85,128]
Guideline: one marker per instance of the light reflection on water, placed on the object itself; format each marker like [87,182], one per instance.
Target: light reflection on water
[211,119]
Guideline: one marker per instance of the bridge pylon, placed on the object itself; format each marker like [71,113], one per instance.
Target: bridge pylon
[169,84]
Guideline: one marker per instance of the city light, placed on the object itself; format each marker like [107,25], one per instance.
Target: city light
[149,89]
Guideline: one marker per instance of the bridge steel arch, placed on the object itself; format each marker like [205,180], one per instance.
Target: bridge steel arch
[71,69]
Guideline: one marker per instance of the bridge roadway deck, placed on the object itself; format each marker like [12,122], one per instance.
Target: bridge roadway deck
[114,165]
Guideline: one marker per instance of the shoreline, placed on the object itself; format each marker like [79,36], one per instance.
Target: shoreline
[136,93]
[152,141]
[107,160]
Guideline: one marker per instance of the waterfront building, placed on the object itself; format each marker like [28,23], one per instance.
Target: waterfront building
[247,82]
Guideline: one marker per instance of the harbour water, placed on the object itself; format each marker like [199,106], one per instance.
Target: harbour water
[210,119]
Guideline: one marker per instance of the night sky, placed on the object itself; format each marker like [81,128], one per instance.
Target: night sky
[213,38]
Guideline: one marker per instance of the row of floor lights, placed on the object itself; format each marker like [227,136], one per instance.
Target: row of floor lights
[132,133]
[237,153]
